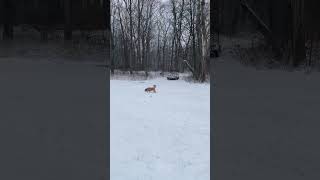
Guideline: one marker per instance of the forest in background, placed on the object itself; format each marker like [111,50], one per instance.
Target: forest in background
[289,28]
[155,35]
[176,35]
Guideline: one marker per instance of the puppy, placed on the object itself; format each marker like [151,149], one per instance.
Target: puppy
[151,89]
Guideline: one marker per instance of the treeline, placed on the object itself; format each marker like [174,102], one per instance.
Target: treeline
[155,35]
[290,27]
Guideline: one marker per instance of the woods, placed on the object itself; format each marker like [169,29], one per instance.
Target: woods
[154,35]
[174,35]
[289,27]
[53,15]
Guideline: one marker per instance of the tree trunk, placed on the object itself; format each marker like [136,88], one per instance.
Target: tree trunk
[199,38]
[125,47]
[298,38]
[131,37]
[179,45]
[192,33]
[8,20]
[204,44]
[67,18]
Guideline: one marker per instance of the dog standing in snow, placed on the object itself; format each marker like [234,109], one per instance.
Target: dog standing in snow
[151,89]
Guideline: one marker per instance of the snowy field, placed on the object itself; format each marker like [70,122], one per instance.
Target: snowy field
[160,136]
[52,120]
[266,122]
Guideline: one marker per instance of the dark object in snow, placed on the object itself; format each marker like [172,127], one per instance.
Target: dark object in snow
[173,77]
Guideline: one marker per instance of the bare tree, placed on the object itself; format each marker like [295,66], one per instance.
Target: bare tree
[156,35]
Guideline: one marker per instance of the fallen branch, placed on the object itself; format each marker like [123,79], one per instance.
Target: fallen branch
[189,66]
[244,3]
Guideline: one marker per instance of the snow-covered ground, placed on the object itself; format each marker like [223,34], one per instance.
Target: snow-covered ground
[160,136]
[52,120]
[266,122]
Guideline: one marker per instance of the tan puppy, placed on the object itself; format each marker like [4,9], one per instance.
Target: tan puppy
[151,89]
